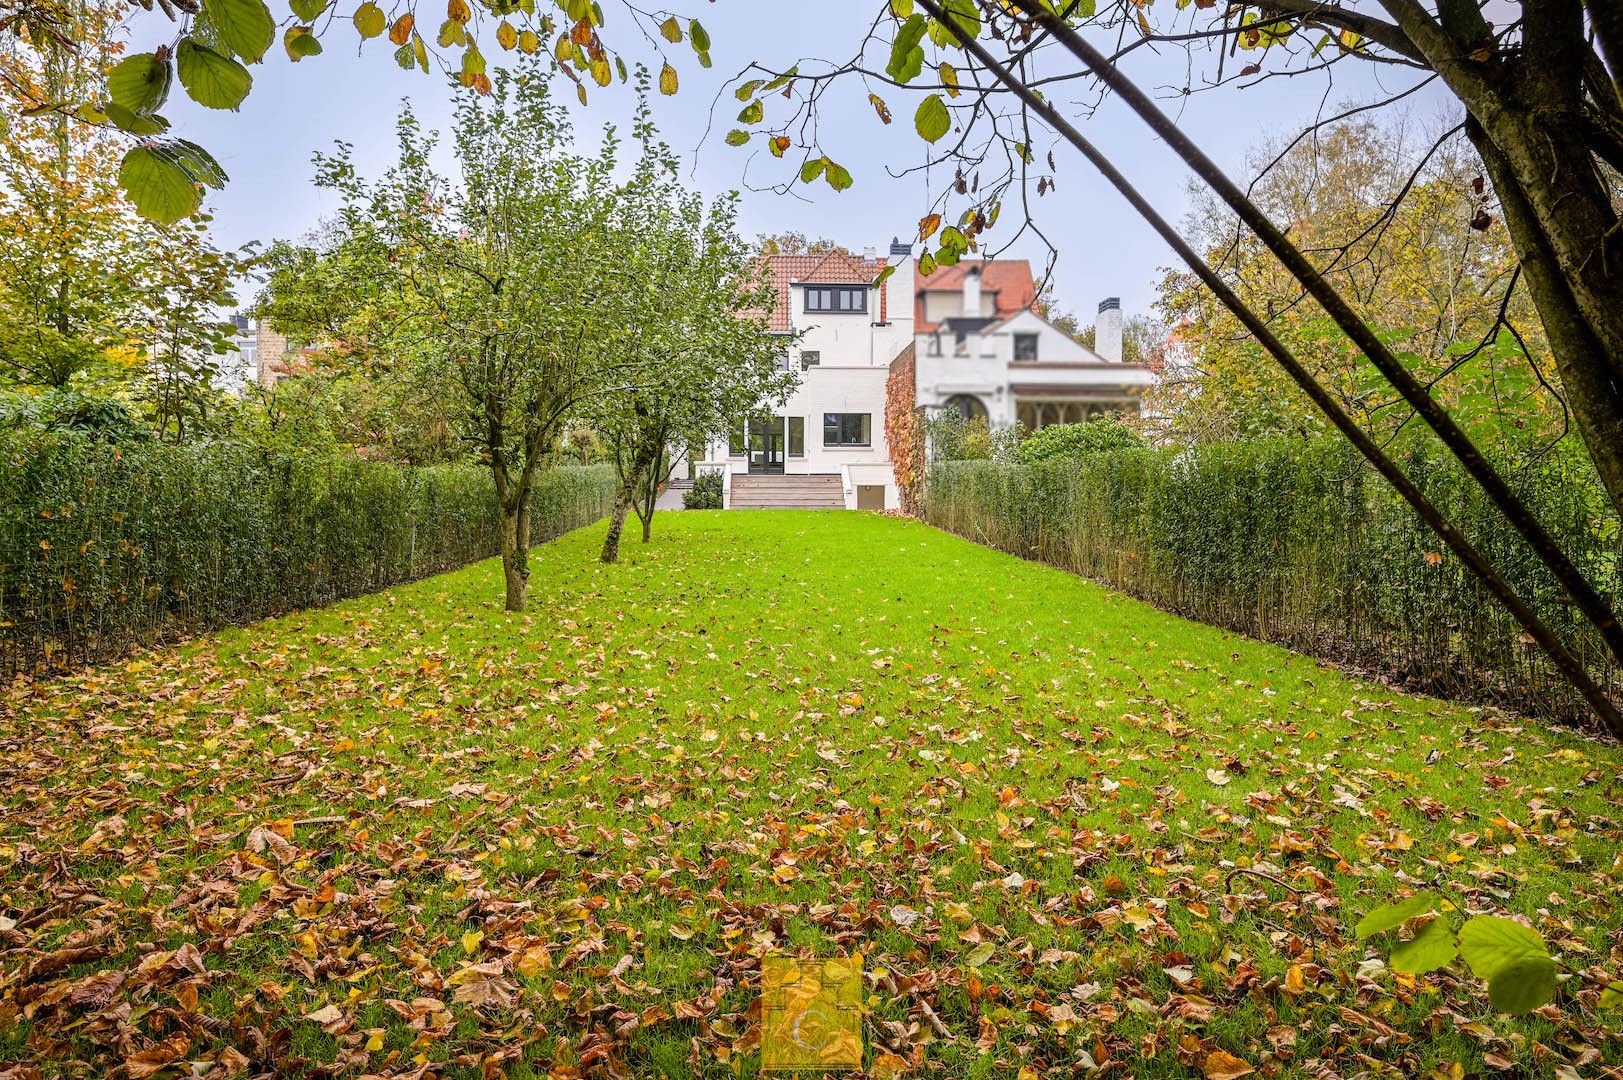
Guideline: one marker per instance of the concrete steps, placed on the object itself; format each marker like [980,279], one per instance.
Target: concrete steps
[814,491]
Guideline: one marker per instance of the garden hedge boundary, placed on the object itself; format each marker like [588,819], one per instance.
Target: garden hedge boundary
[104,548]
[1299,544]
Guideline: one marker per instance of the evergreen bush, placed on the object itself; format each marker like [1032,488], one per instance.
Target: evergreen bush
[1301,544]
[1077,440]
[105,547]
[706,492]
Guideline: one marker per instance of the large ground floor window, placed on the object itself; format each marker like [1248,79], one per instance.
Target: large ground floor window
[847,429]
[1034,415]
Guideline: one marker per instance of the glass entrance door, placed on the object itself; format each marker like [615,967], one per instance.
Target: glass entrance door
[766,444]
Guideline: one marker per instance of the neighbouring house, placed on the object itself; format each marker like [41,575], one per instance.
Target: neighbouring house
[240,366]
[984,350]
[981,347]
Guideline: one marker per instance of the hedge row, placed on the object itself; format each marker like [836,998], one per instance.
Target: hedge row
[103,548]
[1300,544]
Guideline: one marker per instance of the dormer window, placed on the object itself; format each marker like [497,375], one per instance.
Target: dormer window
[1025,347]
[838,299]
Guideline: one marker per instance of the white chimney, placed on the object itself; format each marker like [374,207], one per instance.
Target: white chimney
[1107,330]
[870,254]
[972,293]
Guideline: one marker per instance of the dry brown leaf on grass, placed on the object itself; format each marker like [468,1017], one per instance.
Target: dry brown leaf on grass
[1222,1065]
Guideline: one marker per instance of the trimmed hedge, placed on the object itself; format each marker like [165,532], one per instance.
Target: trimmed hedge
[1300,544]
[105,547]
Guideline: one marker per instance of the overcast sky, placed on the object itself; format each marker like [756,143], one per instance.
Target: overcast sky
[1105,250]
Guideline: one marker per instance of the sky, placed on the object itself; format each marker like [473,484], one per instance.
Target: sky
[353,92]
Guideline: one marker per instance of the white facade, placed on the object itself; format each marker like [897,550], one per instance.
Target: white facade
[980,347]
[834,422]
[1020,367]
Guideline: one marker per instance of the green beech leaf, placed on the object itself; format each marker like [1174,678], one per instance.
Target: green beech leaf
[1612,996]
[307,10]
[926,264]
[135,123]
[837,176]
[932,120]
[752,113]
[906,52]
[1428,950]
[1490,944]
[300,42]
[370,22]
[1523,985]
[963,14]
[953,239]
[140,83]
[699,36]
[812,170]
[158,186]
[1392,916]
[736,137]
[747,91]
[243,26]
[213,80]
[196,161]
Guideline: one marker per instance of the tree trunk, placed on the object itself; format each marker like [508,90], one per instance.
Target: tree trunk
[1523,116]
[515,561]
[617,524]
[516,550]
[1589,375]
[647,528]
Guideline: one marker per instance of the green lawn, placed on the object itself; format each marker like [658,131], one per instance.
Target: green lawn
[412,829]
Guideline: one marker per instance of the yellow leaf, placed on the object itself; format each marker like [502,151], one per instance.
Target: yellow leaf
[528,43]
[1222,1065]
[472,940]
[458,10]
[506,36]
[667,80]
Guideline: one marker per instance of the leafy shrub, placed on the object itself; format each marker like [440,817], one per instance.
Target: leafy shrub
[1300,544]
[104,547]
[705,494]
[952,438]
[1098,435]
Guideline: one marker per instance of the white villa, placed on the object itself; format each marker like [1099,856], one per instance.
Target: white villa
[980,346]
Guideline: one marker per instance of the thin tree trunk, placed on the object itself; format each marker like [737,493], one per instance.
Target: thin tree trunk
[617,524]
[515,559]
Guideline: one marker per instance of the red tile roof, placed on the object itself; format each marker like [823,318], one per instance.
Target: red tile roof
[834,268]
[1009,281]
